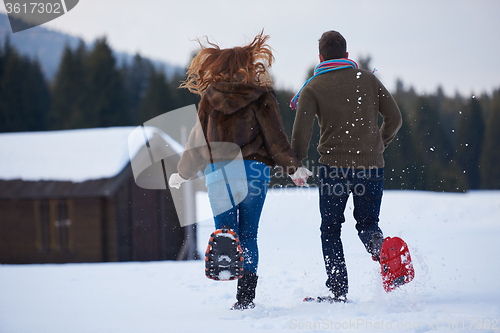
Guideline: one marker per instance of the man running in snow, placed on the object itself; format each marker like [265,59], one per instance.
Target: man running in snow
[347,102]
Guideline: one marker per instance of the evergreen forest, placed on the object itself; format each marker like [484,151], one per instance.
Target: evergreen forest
[445,144]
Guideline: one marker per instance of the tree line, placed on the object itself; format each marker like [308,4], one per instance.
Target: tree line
[445,143]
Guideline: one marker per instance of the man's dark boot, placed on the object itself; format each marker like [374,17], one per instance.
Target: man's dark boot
[246,291]
[375,246]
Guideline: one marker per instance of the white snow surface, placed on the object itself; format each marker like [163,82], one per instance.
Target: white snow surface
[453,240]
[70,155]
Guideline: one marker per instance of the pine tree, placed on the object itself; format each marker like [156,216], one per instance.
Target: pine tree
[24,94]
[435,168]
[157,97]
[38,99]
[11,94]
[400,159]
[104,101]
[136,78]
[490,157]
[399,170]
[470,133]
[3,60]
[3,56]
[68,90]
[162,97]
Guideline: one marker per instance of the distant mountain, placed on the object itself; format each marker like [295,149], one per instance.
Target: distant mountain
[47,46]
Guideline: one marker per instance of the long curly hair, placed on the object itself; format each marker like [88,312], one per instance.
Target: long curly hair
[246,64]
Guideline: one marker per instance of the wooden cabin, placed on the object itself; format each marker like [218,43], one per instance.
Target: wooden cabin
[70,196]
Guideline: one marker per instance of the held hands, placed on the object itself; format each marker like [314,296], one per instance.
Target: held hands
[176,180]
[300,176]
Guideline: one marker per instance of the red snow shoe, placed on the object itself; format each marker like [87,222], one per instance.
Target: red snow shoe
[396,265]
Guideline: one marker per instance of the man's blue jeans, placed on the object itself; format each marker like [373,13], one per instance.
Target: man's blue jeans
[243,217]
[335,185]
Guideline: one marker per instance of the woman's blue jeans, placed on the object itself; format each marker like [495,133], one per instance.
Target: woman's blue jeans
[335,185]
[243,217]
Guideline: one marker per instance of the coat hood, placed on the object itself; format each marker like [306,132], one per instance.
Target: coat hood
[229,97]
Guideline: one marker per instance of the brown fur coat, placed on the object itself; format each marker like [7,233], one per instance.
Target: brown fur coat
[241,114]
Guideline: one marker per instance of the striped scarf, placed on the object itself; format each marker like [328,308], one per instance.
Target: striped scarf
[324,67]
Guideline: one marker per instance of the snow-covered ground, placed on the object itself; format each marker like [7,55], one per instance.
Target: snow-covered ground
[453,239]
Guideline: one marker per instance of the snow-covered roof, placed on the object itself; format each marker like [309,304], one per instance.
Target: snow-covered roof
[70,155]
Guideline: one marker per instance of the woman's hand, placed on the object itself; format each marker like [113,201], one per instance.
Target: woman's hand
[176,180]
[300,176]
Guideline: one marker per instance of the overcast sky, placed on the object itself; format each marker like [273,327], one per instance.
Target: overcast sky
[426,43]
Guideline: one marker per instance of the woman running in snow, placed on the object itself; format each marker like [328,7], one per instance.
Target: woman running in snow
[240,121]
